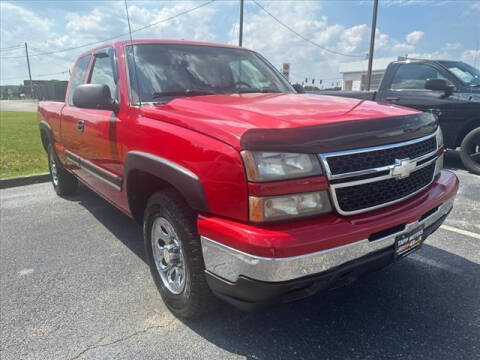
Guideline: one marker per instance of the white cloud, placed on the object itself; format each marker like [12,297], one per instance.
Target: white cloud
[414,37]
[19,24]
[402,48]
[353,38]
[95,21]
[381,40]
[195,25]
[475,6]
[430,3]
[452,46]
[79,28]
[411,40]
[261,33]
[471,56]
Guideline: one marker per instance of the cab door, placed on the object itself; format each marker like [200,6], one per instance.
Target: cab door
[407,88]
[72,137]
[100,155]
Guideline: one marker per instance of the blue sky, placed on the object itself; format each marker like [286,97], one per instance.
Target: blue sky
[419,28]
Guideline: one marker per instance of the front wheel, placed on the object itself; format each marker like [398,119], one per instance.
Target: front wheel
[470,151]
[175,255]
[63,182]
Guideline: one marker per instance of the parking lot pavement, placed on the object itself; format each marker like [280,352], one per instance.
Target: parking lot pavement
[19,105]
[75,285]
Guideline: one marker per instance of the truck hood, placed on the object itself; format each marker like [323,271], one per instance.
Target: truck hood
[293,122]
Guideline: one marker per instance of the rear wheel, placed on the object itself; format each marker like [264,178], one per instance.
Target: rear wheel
[470,151]
[175,255]
[63,182]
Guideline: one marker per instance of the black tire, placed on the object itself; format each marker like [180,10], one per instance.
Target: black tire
[63,182]
[196,297]
[470,146]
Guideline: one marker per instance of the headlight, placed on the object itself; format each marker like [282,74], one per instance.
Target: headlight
[273,208]
[439,164]
[439,137]
[271,166]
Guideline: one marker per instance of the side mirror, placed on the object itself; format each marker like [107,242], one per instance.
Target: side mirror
[299,88]
[94,96]
[439,85]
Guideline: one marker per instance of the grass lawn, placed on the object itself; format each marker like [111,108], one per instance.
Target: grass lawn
[21,150]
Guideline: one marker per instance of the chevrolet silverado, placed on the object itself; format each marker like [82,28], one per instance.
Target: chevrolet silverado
[247,191]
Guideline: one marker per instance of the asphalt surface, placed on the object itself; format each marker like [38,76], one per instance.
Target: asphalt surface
[75,285]
[19,105]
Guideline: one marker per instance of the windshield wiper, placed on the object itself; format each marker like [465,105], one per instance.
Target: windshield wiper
[257,90]
[186,92]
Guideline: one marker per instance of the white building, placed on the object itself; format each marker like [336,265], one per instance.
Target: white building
[354,74]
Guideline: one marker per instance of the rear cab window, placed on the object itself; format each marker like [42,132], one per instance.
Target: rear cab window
[78,76]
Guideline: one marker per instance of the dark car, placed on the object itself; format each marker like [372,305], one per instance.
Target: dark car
[449,89]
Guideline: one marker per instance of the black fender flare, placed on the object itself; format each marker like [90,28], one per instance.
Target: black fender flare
[47,130]
[183,180]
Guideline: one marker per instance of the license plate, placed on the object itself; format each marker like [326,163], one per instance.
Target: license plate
[409,242]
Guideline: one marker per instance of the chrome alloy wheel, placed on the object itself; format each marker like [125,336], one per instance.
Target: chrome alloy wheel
[53,168]
[168,255]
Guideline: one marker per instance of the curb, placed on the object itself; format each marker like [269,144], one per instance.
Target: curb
[24,180]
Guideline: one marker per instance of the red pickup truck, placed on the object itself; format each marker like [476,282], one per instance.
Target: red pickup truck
[245,188]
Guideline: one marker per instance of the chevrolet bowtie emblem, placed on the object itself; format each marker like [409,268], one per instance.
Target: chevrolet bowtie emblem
[403,168]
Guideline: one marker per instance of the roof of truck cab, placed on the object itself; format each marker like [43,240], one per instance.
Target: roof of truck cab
[122,43]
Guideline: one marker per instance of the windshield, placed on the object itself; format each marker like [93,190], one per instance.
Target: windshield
[464,72]
[166,71]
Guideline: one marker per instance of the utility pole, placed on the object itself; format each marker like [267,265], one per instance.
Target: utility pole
[372,43]
[29,71]
[240,33]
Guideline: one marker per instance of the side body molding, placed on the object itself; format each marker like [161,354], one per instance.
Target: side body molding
[186,182]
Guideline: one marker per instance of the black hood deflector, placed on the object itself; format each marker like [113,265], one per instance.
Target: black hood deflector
[341,136]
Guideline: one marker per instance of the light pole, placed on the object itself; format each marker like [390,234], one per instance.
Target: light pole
[240,33]
[29,72]
[372,43]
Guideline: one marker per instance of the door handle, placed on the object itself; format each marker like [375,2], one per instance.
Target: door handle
[80,125]
[392,99]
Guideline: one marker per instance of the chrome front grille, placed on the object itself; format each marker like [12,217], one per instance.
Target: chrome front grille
[381,157]
[370,178]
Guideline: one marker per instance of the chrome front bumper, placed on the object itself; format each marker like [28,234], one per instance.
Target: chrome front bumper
[229,263]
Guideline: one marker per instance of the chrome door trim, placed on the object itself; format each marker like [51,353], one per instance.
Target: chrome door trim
[107,177]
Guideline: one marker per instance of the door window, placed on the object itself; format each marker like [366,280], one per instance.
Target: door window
[102,73]
[78,76]
[414,76]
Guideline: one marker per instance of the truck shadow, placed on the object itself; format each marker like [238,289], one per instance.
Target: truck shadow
[121,226]
[426,306]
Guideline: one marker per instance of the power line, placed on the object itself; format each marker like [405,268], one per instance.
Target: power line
[117,36]
[36,76]
[10,48]
[56,58]
[300,35]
